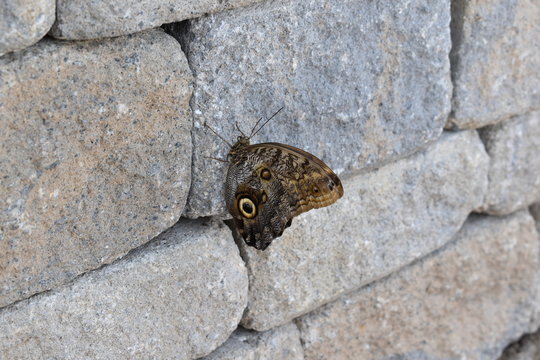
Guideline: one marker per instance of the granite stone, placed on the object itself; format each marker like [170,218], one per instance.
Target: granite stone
[495,61]
[94,19]
[179,297]
[95,155]
[23,23]
[466,301]
[514,173]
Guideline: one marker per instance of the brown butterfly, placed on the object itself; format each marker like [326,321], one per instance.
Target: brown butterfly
[270,183]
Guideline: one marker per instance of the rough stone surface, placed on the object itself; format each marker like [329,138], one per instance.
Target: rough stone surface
[467,301]
[495,60]
[514,174]
[282,343]
[95,153]
[23,23]
[361,82]
[386,219]
[92,19]
[180,297]
[527,348]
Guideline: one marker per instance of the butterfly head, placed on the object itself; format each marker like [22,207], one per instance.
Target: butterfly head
[241,142]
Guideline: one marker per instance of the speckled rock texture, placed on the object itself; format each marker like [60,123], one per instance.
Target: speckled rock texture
[514,173]
[495,61]
[386,219]
[466,301]
[24,22]
[374,75]
[92,19]
[179,297]
[95,153]
[281,343]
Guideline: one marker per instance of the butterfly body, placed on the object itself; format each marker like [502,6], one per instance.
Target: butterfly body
[270,183]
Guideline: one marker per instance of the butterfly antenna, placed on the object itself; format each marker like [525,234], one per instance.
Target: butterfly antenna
[266,122]
[215,133]
[254,127]
[238,128]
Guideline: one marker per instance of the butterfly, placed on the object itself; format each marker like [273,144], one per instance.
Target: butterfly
[268,184]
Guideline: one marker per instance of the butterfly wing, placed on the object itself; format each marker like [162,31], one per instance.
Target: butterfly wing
[268,184]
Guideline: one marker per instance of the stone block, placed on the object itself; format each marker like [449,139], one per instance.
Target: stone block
[94,19]
[282,343]
[466,301]
[95,155]
[179,297]
[386,219]
[514,173]
[23,23]
[362,83]
[495,61]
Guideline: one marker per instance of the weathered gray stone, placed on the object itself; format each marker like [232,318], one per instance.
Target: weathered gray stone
[180,297]
[95,153]
[362,83]
[514,173]
[495,60]
[527,348]
[92,19]
[386,219]
[279,343]
[23,23]
[467,301]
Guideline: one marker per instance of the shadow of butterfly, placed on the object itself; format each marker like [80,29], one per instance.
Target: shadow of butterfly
[270,183]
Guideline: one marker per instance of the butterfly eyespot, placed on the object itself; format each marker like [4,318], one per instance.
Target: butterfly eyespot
[315,189]
[265,174]
[247,208]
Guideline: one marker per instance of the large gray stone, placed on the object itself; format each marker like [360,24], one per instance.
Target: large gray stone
[92,19]
[282,343]
[24,22]
[386,219]
[180,297]
[361,82]
[95,152]
[467,301]
[514,173]
[495,60]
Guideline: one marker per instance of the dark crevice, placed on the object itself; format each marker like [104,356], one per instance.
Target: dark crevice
[179,31]
[457,14]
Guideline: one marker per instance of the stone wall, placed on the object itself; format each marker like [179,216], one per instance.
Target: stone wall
[112,235]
